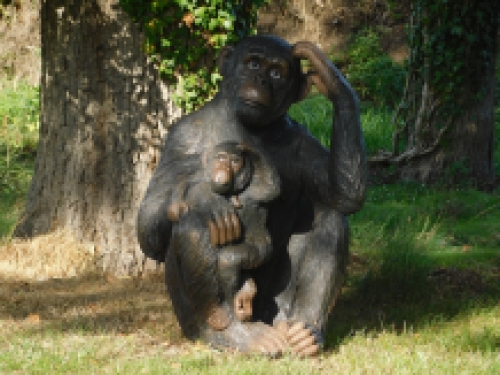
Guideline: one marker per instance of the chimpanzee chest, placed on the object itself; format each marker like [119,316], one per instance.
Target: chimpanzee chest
[282,212]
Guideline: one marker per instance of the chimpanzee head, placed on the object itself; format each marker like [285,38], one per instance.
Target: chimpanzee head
[234,168]
[262,78]
[229,167]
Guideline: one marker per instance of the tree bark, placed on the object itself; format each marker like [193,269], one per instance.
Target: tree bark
[104,116]
[465,153]
[441,148]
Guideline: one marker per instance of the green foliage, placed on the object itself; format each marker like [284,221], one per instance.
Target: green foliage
[19,116]
[184,36]
[376,128]
[373,74]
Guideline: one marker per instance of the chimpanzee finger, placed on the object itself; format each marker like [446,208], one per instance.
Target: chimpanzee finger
[295,328]
[236,226]
[310,351]
[269,347]
[282,326]
[303,344]
[173,212]
[228,223]
[214,233]
[183,208]
[299,336]
[278,342]
[219,222]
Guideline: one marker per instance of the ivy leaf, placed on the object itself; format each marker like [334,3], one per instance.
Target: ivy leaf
[228,24]
[200,12]
[456,30]
[204,26]
[213,24]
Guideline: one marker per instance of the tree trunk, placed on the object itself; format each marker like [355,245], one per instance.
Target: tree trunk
[465,153]
[437,146]
[104,115]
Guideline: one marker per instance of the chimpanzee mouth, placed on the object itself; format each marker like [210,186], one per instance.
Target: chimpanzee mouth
[253,104]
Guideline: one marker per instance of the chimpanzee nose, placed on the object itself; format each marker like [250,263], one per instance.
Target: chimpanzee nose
[260,80]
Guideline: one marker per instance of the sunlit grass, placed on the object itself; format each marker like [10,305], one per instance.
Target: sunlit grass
[316,113]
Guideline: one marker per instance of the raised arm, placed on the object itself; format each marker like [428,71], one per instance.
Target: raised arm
[347,170]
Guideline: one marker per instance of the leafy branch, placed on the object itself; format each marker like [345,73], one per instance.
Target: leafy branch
[182,37]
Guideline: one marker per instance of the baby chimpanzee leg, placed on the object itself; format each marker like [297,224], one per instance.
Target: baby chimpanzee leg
[191,276]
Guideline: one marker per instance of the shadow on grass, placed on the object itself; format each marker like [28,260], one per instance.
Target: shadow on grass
[406,290]
[89,305]
[421,256]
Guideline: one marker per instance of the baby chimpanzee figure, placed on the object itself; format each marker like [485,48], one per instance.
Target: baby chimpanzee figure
[242,175]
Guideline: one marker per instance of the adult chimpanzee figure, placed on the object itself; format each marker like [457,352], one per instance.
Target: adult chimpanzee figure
[249,181]
[307,222]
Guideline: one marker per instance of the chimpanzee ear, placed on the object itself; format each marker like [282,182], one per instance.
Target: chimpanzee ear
[225,59]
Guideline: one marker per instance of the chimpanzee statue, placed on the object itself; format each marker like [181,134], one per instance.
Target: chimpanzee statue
[297,287]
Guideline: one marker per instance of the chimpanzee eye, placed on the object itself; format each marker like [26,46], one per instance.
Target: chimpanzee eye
[222,157]
[236,164]
[275,74]
[253,64]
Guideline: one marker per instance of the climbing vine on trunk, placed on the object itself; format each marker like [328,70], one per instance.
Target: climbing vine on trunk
[452,47]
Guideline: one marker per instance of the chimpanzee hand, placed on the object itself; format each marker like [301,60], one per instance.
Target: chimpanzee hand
[220,214]
[176,210]
[223,222]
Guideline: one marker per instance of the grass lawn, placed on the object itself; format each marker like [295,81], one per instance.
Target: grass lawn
[422,296]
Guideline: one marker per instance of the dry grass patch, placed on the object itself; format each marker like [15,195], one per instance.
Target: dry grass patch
[50,284]
[55,255]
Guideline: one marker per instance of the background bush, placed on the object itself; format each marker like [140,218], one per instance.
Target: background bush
[371,71]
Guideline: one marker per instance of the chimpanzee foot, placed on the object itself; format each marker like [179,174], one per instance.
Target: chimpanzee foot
[267,340]
[250,338]
[243,301]
[301,340]
[218,318]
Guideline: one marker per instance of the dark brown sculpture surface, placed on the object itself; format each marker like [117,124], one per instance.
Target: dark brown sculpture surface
[292,210]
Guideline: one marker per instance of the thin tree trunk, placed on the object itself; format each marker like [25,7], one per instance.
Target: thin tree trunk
[104,116]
